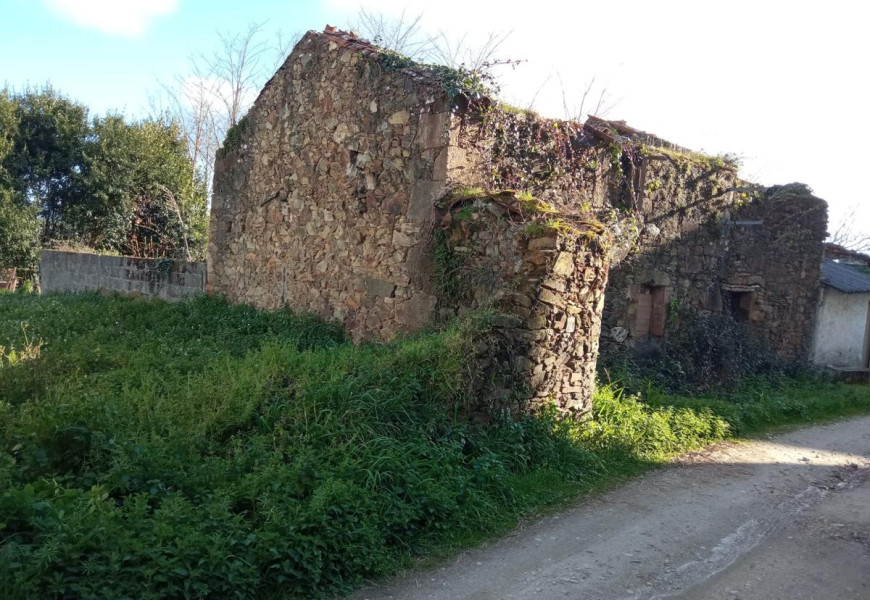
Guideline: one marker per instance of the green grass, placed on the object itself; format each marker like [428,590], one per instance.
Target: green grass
[200,450]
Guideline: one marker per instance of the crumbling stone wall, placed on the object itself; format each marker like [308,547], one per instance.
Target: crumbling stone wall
[546,285]
[356,172]
[681,246]
[679,220]
[324,193]
[683,223]
[779,255]
[496,147]
[334,196]
[715,244]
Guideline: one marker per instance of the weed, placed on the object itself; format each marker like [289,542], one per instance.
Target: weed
[234,137]
[454,81]
[535,230]
[197,449]
[615,156]
[466,213]
[719,162]
[29,351]
[447,266]
[533,205]
[468,192]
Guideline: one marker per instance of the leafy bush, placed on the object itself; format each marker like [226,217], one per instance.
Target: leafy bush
[707,352]
[200,450]
[106,183]
[19,233]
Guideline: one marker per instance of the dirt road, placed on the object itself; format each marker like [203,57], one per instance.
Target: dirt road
[783,518]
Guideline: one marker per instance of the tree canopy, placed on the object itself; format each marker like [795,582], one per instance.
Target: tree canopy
[104,182]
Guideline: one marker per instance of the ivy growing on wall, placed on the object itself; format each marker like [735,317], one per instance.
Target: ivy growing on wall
[234,137]
[455,81]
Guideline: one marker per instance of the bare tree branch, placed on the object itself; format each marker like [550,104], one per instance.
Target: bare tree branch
[531,104]
[403,34]
[238,65]
[851,232]
[283,46]
[457,52]
[601,105]
[588,89]
[171,199]
[217,90]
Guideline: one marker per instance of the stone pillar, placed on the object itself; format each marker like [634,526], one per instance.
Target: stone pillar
[546,285]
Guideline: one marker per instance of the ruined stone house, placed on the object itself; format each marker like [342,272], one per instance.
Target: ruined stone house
[389,195]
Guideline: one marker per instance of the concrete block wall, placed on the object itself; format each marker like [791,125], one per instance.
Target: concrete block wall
[78,272]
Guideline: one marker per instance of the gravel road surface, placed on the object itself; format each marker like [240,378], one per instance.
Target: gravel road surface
[784,517]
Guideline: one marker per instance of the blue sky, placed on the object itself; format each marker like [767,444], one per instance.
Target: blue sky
[784,84]
[109,65]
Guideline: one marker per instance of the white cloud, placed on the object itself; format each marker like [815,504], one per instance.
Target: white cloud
[128,18]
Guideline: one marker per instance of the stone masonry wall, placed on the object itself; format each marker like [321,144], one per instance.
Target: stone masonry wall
[324,201]
[781,258]
[682,221]
[356,174]
[706,236]
[558,162]
[678,218]
[546,286]
[681,244]
[331,196]
[79,272]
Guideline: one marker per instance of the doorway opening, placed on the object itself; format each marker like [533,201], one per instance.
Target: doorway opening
[651,312]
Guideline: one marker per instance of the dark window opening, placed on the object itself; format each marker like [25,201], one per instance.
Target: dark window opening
[741,304]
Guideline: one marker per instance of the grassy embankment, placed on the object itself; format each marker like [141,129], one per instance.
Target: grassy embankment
[199,450]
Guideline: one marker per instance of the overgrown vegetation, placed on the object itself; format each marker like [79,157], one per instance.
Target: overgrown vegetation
[234,137]
[447,265]
[193,450]
[455,81]
[106,182]
[717,162]
[19,240]
[701,353]
[532,153]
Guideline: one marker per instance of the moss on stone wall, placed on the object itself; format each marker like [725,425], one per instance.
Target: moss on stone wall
[234,137]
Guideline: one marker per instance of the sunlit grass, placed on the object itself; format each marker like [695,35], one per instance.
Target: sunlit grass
[153,450]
